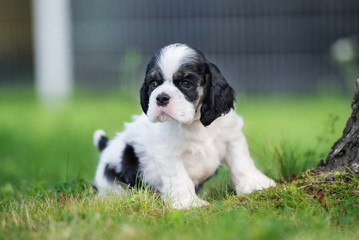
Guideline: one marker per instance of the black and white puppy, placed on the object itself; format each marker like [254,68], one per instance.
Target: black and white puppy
[189,127]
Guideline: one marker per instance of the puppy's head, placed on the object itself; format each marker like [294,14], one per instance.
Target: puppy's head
[181,85]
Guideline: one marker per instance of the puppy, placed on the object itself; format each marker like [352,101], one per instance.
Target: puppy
[188,129]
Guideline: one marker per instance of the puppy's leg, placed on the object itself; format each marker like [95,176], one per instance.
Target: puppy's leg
[178,188]
[245,175]
[108,172]
[106,187]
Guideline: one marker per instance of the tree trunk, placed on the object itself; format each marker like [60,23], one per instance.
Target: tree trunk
[344,156]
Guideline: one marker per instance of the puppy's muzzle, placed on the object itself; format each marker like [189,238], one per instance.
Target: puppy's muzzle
[163,99]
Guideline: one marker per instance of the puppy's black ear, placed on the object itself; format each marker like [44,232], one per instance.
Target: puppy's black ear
[218,96]
[144,97]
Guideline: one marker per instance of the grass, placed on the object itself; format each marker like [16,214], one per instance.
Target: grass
[291,211]
[48,163]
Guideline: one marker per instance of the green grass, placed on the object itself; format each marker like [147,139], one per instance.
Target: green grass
[48,162]
[291,211]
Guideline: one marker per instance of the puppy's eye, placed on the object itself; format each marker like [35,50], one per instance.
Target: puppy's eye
[154,84]
[186,84]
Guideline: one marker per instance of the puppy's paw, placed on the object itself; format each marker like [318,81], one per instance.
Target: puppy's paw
[199,203]
[190,203]
[252,182]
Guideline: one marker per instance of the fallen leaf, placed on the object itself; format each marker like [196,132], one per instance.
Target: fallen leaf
[321,198]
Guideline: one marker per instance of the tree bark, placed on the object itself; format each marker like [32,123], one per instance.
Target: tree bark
[344,156]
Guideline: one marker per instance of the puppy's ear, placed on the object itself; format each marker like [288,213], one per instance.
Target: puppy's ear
[218,96]
[144,97]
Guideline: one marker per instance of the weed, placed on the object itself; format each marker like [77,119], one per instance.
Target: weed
[288,158]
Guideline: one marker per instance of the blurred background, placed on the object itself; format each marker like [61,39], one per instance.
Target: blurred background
[260,46]
[93,54]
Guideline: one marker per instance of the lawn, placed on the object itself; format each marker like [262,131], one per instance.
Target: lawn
[48,162]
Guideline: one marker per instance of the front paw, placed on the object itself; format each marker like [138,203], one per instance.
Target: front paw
[189,203]
[254,182]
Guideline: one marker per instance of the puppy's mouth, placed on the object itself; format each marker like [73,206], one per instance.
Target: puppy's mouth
[164,115]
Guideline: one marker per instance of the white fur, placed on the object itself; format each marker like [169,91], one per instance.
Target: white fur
[172,57]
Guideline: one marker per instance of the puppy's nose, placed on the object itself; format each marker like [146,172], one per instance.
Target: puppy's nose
[163,99]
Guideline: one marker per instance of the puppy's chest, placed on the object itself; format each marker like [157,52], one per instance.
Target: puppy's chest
[202,158]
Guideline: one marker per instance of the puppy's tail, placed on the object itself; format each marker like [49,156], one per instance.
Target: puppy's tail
[100,140]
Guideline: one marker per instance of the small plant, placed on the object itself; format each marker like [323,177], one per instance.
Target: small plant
[289,161]
[75,186]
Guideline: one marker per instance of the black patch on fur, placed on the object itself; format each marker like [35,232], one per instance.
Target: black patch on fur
[152,74]
[144,97]
[186,73]
[129,173]
[194,71]
[102,143]
[218,98]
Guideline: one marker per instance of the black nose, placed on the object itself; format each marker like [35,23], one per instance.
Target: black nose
[163,99]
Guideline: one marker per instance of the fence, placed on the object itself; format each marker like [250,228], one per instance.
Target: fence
[260,46]
[275,45]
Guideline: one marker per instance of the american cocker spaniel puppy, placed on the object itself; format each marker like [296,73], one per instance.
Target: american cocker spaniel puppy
[188,129]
